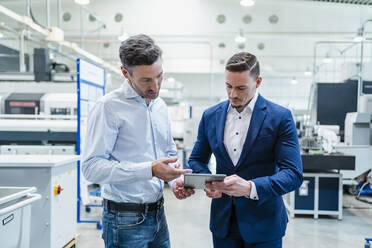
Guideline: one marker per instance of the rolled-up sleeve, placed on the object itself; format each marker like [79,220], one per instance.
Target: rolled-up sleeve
[100,138]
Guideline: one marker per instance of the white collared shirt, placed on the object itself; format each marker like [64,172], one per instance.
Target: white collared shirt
[236,130]
[123,137]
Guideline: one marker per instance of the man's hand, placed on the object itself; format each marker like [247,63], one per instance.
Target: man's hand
[180,191]
[232,185]
[162,170]
[213,193]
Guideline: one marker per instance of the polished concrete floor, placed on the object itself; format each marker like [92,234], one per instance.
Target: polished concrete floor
[188,222]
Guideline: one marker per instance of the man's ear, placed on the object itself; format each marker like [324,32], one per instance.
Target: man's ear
[125,72]
[258,81]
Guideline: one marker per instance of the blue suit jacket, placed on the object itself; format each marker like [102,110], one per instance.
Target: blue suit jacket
[270,158]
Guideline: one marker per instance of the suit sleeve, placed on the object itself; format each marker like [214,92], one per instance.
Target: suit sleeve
[288,160]
[201,152]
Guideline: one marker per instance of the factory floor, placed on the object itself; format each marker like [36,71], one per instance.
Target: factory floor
[188,222]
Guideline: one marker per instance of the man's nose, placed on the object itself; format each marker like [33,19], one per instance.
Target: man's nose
[155,85]
[233,93]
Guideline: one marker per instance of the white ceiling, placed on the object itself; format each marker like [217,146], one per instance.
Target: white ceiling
[190,35]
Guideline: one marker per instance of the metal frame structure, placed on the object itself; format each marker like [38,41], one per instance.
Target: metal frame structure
[316,212]
[78,138]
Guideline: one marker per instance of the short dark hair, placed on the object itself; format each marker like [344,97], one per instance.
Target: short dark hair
[138,50]
[244,61]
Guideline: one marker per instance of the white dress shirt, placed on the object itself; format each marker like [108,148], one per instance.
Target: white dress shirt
[236,130]
[124,136]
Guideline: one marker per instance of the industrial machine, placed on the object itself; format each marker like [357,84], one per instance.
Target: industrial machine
[53,218]
[37,150]
[15,215]
[352,114]
[37,130]
[23,103]
[59,104]
[39,103]
[319,194]
[357,128]
[39,119]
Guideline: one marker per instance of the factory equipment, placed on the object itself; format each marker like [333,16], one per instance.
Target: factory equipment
[15,215]
[38,118]
[332,110]
[44,68]
[53,219]
[23,103]
[357,128]
[23,129]
[42,65]
[39,103]
[37,150]
[59,104]
[319,194]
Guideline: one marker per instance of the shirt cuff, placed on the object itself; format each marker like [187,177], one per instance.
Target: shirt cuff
[173,181]
[253,195]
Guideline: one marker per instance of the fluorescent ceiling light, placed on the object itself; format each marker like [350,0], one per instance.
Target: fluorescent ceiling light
[307,72]
[359,39]
[247,3]
[171,80]
[294,81]
[1,35]
[240,37]
[327,59]
[82,2]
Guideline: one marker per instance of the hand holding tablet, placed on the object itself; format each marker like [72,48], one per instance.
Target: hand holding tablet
[197,181]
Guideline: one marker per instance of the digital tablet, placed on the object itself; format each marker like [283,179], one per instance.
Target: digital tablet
[197,181]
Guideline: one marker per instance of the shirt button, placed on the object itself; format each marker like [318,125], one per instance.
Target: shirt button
[234,150]
[240,117]
[237,133]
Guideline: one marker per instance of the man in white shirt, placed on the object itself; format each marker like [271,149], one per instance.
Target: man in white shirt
[255,144]
[129,149]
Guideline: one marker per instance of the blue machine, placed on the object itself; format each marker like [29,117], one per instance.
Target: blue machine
[367,244]
[366,189]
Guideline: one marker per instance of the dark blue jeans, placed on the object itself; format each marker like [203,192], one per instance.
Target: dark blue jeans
[135,229]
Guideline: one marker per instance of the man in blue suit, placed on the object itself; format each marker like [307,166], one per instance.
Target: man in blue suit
[255,144]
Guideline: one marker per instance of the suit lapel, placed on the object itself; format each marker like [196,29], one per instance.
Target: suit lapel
[257,119]
[220,130]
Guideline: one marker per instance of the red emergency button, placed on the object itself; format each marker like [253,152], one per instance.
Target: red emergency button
[57,189]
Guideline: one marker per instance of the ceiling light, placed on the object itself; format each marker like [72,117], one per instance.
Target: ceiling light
[123,37]
[359,37]
[1,35]
[327,59]
[82,2]
[247,3]
[308,72]
[240,37]
[294,81]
